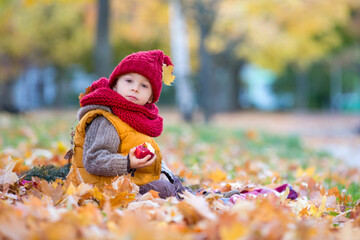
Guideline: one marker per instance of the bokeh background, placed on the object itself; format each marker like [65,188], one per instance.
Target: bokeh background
[262,88]
[229,55]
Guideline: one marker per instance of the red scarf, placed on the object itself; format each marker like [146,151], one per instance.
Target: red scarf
[144,119]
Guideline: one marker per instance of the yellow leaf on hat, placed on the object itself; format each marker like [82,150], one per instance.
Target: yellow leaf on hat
[167,76]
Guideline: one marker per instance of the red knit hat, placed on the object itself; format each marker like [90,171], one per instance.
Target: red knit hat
[147,63]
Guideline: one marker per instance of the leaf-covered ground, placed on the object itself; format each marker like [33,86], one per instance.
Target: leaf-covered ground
[211,160]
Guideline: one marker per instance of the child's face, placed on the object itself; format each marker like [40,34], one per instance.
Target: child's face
[135,88]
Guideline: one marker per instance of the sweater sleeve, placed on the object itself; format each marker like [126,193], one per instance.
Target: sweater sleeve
[100,155]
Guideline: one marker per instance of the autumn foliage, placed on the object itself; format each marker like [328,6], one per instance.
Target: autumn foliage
[211,166]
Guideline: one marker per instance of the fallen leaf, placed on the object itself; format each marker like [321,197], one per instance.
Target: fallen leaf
[199,205]
[233,231]
[122,199]
[7,176]
[154,194]
[217,175]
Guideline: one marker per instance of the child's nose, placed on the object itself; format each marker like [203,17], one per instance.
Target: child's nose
[135,88]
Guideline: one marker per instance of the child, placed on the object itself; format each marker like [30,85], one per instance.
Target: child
[119,114]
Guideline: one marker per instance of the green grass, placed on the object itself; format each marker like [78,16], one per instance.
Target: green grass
[40,131]
[196,144]
[353,190]
[265,145]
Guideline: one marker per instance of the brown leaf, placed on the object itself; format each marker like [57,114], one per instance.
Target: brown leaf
[225,188]
[199,205]
[190,215]
[334,191]
[73,177]
[69,154]
[11,226]
[81,95]
[120,184]
[53,190]
[7,176]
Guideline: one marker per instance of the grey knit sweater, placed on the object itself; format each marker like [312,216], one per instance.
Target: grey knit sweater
[100,155]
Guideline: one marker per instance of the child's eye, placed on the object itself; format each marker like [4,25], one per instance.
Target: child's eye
[144,86]
[128,80]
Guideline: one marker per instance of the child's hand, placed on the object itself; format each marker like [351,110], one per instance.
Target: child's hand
[140,162]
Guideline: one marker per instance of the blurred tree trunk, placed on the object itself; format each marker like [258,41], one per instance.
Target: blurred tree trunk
[335,87]
[103,61]
[227,79]
[206,80]
[232,90]
[7,103]
[302,90]
[204,13]
[181,60]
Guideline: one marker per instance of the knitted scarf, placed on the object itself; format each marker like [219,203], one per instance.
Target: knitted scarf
[144,119]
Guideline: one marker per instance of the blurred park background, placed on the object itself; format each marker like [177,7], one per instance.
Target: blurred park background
[247,57]
[228,54]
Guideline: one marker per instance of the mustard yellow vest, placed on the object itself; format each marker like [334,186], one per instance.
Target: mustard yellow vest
[129,138]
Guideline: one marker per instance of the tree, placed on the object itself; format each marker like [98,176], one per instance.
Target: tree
[102,48]
[181,59]
[204,13]
[272,34]
[41,34]
[296,33]
[139,25]
[61,33]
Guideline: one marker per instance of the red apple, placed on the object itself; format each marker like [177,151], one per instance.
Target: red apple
[143,150]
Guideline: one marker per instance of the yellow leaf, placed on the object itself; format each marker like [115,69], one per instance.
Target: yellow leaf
[322,207]
[317,212]
[29,3]
[167,76]
[310,171]
[60,230]
[60,147]
[235,231]
[97,194]
[307,172]
[71,189]
[217,175]
[303,212]
[284,195]
[122,199]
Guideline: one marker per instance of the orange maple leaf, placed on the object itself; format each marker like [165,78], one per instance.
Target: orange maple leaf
[217,175]
[154,193]
[122,199]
